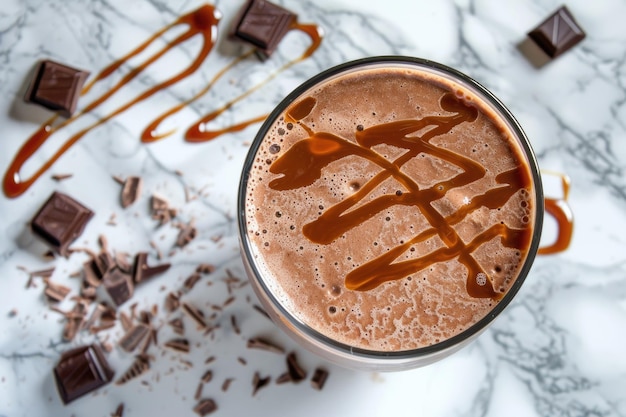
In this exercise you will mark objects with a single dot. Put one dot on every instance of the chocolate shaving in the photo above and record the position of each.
(92, 274)
(181, 345)
(140, 366)
(172, 302)
(261, 310)
(161, 210)
(294, 369)
(195, 314)
(226, 384)
(131, 190)
(205, 268)
(119, 411)
(177, 325)
(262, 344)
(319, 378)
(56, 292)
(207, 377)
(187, 233)
(198, 393)
(143, 272)
(61, 177)
(258, 382)
(121, 261)
(134, 337)
(127, 323)
(233, 322)
(191, 281)
(96, 314)
(205, 407)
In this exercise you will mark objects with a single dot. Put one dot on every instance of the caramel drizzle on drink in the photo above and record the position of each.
(302, 164)
(201, 22)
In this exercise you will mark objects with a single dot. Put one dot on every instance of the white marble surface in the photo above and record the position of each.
(559, 350)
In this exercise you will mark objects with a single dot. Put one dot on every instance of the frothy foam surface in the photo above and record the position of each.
(430, 303)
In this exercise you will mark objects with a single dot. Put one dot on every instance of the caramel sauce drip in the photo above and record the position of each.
(302, 165)
(202, 22)
(198, 131)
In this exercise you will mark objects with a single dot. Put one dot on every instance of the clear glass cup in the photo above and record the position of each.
(365, 359)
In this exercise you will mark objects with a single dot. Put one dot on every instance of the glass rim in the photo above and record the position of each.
(501, 111)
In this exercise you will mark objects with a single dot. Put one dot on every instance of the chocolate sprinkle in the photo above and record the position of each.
(60, 221)
(80, 371)
(134, 337)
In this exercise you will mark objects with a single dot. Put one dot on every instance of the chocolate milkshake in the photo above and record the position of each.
(389, 208)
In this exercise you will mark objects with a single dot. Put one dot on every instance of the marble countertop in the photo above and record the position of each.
(557, 350)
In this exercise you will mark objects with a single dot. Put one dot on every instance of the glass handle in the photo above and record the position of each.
(562, 213)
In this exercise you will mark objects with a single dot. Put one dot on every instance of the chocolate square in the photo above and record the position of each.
(558, 33)
(263, 25)
(60, 221)
(56, 87)
(81, 371)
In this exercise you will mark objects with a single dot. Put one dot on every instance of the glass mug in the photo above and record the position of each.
(389, 209)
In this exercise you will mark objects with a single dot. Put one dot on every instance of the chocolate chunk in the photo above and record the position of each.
(319, 378)
(60, 221)
(81, 371)
(558, 33)
(177, 325)
(118, 285)
(263, 25)
(142, 271)
(131, 190)
(56, 87)
(205, 407)
(134, 336)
